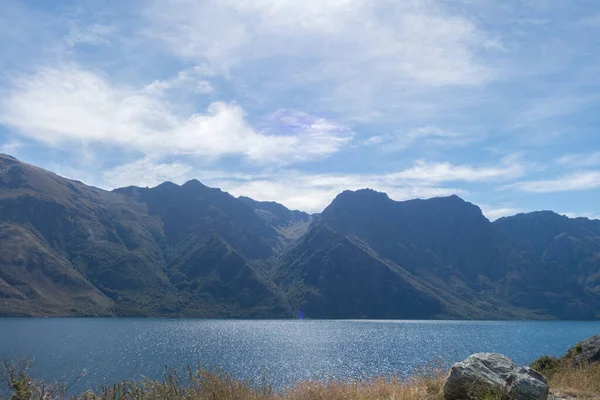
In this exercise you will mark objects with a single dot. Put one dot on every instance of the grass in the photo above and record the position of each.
(218, 385)
(580, 382)
(566, 380)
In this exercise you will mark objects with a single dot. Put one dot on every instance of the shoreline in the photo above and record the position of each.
(565, 382)
(288, 319)
(289, 351)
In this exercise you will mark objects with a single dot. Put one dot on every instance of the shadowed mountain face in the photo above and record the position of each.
(522, 261)
(190, 250)
(560, 262)
(326, 275)
(446, 234)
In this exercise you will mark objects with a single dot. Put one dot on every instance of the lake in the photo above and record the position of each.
(285, 351)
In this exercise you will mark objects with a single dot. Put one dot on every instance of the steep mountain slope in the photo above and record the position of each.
(449, 244)
(87, 250)
(290, 224)
(326, 275)
(445, 244)
(209, 239)
(35, 280)
(74, 249)
(189, 250)
(446, 234)
(562, 268)
(192, 210)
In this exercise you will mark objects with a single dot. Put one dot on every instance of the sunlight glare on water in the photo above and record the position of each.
(284, 351)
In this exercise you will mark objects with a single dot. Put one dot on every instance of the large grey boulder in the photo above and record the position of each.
(587, 351)
(479, 372)
(493, 374)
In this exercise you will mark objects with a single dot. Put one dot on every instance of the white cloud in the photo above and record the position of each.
(554, 107)
(493, 213)
(580, 180)
(146, 172)
(10, 147)
(377, 139)
(191, 79)
(580, 160)
(97, 34)
(431, 135)
(310, 192)
(427, 75)
(319, 135)
(424, 132)
(589, 215)
(67, 105)
(511, 167)
(313, 191)
(400, 42)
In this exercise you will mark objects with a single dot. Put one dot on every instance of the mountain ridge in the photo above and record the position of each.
(191, 250)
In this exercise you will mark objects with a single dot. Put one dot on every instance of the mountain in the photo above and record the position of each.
(560, 264)
(209, 239)
(190, 250)
(71, 249)
(290, 224)
(446, 234)
(501, 266)
(326, 275)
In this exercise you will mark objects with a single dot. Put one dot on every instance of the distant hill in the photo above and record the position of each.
(70, 249)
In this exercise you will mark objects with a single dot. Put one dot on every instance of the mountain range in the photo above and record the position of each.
(68, 249)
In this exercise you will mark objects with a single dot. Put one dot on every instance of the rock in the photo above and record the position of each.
(483, 371)
(587, 351)
(495, 374)
(527, 384)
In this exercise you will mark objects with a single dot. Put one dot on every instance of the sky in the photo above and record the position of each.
(295, 101)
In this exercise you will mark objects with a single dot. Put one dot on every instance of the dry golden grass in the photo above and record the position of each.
(567, 381)
(581, 382)
(419, 388)
(219, 386)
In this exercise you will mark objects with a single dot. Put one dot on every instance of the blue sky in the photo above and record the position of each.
(496, 101)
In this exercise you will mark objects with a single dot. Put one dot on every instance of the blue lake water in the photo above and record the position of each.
(285, 351)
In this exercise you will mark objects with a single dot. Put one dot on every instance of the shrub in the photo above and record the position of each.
(546, 365)
(16, 379)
